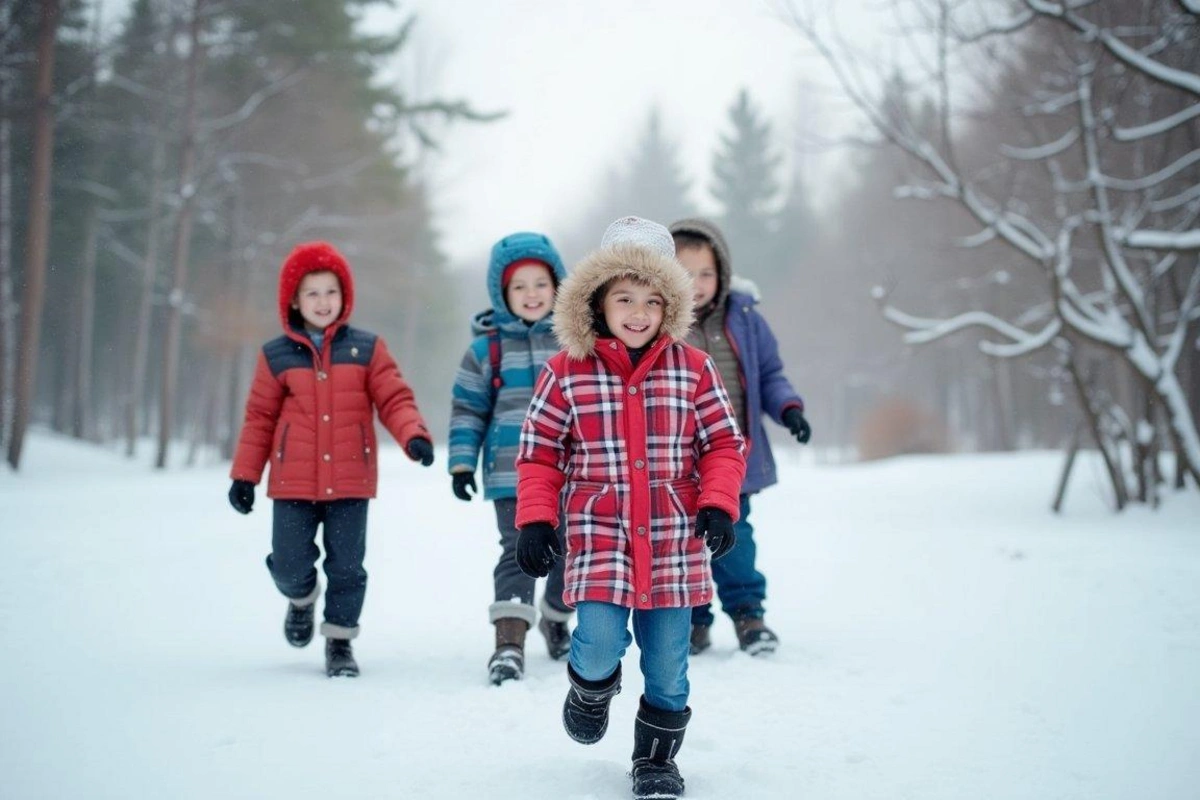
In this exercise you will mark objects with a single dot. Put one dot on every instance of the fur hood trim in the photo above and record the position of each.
(573, 314)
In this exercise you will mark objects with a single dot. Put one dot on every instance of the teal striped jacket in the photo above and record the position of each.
(485, 422)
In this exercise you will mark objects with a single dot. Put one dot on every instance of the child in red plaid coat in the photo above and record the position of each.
(637, 427)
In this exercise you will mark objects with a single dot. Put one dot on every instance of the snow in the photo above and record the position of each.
(944, 637)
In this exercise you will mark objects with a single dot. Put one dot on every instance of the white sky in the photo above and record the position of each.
(578, 79)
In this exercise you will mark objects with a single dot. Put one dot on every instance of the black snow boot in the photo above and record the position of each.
(508, 662)
(339, 659)
(298, 624)
(700, 639)
(657, 735)
(585, 712)
(558, 637)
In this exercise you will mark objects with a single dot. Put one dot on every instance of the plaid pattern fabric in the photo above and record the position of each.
(639, 451)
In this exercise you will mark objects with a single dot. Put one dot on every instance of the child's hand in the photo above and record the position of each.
(795, 422)
(461, 482)
(716, 528)
(241, 496)
(420, 449)
(537, 547)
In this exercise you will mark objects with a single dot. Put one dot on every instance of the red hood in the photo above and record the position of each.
(313, 257)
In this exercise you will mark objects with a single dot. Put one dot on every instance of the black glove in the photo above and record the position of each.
(716, 528)
(794, 419)
(241, 496)
(420, 449)
(537, 547)
(463, 480)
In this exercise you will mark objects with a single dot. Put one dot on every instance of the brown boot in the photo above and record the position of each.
(700, 639)
(754, 636)
(508, 662)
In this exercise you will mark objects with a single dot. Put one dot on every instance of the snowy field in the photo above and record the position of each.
(945, 637)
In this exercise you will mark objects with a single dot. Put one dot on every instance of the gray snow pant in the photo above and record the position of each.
(514, 589)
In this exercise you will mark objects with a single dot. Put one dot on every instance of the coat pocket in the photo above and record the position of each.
(590, 499)
(279, 451)
(684, 495)
(366, 444)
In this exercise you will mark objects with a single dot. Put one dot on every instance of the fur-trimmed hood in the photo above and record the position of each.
(573, 314)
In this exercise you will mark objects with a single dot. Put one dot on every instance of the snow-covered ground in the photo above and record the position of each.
(945, 637)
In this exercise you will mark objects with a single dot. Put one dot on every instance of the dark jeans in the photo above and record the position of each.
(513, 587)
(740, 587)
(294, 554)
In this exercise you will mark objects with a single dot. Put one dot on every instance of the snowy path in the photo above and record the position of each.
(944, 638)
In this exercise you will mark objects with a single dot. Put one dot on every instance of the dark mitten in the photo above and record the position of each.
(794, 419)
(420, 449)
(464, 481)
(241, 496)
(716, 528)
(537, 547)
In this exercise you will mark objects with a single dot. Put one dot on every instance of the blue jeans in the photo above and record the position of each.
(601, 637)
(294, 554)
(740, 586)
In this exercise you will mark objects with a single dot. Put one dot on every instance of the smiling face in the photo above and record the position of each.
(530, 292)
(633, 312)
(702, 264)
(319, 300)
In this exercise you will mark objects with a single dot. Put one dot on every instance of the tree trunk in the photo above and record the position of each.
(1111, 464)
(179, 251)
(37, 243)
(7, 307)
(135, 401)
(82, 427)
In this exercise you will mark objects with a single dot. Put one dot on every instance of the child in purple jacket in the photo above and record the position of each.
(740, 342)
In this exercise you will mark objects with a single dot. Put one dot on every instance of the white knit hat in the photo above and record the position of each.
(639, 232)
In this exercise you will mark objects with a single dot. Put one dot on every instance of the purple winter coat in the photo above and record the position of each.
(767, 388)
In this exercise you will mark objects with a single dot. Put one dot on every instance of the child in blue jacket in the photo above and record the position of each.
(741, 343)
(492, 389)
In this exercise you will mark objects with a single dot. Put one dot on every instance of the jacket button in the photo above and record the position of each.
(641, 530)
(329, 491)
(325, 418)
(643, 597)
(633, 390)
(321, 376)
(326, 456)
(639, 464)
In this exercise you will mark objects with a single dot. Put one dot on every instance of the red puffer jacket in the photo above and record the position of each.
(309, 413)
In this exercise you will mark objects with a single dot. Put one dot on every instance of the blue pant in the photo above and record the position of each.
(601, 637)
(740, 586)
(294, 554)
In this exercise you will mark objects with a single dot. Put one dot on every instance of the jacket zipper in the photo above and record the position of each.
(362, 429)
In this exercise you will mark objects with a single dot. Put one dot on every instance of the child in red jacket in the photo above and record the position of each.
(636, 426)
(310, 414)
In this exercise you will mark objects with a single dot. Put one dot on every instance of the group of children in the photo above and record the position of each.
(617, 414)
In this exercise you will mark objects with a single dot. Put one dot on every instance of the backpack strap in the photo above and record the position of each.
(494, 358)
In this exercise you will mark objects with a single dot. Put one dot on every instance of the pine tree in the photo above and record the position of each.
(746, 187)
(650, 183)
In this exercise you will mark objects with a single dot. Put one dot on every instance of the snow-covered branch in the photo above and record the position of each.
(1048, 150)
(1164, 240)
(1180, 79)
(1158, 126)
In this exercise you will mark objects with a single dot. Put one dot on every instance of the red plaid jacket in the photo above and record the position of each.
(639, 452)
